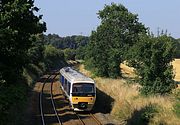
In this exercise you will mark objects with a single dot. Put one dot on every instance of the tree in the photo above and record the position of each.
(119, 29)
(53, 57)
(177, 48)
(69, 54)
(18, 25)
(152, 57)
(35, 53)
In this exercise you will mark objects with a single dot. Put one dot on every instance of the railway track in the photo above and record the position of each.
(43, 120)
(83, 119)
(88, 119)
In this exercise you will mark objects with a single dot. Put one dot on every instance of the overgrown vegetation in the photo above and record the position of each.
(12, 101)
(130, 107)
(24, 56)
(176, 105)
(151, 58)
(18, 27)
(53, 57)
(74, 46)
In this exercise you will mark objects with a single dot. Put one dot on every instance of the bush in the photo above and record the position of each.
(53, 57)
(177, 104)
(177, 108)
(11, 105)
(69, 54)
(35, 70)
(143, 116)
(152, 57)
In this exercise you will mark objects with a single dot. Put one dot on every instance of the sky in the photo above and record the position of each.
(79, 17)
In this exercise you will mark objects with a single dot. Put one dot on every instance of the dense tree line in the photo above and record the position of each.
(71, 42)
(24, 56)
(73, 46)
(18, 27)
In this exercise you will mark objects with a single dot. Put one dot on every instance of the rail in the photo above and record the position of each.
(52, 100)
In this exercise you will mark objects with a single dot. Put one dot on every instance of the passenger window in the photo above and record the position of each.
(62, 80)
(65, 85)
(69, 88)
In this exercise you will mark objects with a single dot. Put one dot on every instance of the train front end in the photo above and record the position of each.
(83, 96)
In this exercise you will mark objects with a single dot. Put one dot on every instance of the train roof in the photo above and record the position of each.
(75, 76)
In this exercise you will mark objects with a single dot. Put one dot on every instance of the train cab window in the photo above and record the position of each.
(77, 88)
(83, 88)
(88, 88)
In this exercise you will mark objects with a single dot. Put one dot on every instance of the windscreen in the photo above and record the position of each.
(83, 88)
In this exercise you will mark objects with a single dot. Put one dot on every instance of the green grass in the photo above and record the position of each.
(177, 108)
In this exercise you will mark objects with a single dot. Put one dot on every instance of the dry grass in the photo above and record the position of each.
(128, 100)
(126, 70)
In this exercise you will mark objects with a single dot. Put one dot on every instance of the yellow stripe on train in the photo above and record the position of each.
(77, 99)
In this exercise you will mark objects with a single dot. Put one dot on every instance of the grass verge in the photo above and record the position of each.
(133, 108)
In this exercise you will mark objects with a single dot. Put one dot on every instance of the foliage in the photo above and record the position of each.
(35, 53)
(34, 69)
(143, 116)
(177, 48)
(11, 105)
(118, 31)
(152, 57)
(76, 44)
(148, 113)
(81, 52)
(176, 106)
(53, 57)
(18, 25)
(72, 42)
(22, 54)
(69, 54)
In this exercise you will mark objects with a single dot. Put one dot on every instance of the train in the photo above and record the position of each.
(78, 88)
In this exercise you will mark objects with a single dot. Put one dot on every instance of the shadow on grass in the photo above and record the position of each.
(104, 102)
(142, 116)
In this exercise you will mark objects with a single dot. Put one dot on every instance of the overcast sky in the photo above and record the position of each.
(75, 17)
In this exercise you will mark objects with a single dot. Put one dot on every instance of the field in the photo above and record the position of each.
(129, 107)
(176, 66)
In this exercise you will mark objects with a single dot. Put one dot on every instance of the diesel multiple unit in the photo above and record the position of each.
(79, 89)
